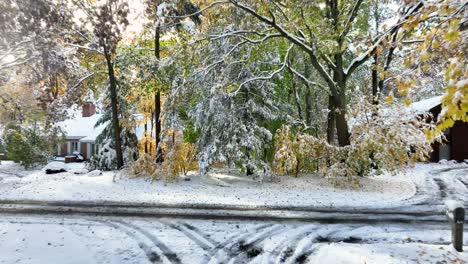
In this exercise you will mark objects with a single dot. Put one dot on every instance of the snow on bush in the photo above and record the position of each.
(381, 141)
(26, 145)
(179, 158)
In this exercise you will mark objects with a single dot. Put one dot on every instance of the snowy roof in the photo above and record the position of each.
(425, 105)
(82, 128)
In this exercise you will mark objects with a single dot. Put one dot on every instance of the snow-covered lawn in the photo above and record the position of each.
(31, 240)
(218, 189)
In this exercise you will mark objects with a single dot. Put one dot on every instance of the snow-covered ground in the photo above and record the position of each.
(231, 189)
(219, 188)
(31, 240)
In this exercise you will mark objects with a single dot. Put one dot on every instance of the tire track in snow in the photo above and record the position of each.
(167, 252)
(296, 253)
(285, 242)
(305, 245)
(247, 249)
(199, 232)
(152, 256)
(205, 245)
(442, 187)
(464, 182)
(227, 245)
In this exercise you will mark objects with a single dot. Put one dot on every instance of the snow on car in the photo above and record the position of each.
(55, 167)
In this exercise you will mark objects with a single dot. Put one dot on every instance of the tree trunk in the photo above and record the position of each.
(157, 120)
(114, 107)
(375, 80)
(342, 129)
(308, 106)
(339, 101)
(157, 99)
(146, 134)
(330, 120)
(296, 99)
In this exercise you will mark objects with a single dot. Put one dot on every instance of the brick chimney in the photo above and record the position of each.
(89, 109)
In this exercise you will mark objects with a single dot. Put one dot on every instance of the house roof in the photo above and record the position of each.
(82, 128)
(425, 105)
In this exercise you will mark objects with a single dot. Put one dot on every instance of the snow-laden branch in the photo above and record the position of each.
(253, 41)
(80, 81)
(14, 48)
(17, 62)
(305, 79)
(269, 77)
(201, 10)
(300, 42)
(83, 47)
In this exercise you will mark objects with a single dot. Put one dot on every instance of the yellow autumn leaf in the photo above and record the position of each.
(424, 56)
(389, 99)
(425, 67)
(451, 36)
(407, 101)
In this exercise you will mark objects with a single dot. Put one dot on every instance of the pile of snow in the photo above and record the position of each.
(95, 173)
(448, 162)
(452, 205)
(79, 171)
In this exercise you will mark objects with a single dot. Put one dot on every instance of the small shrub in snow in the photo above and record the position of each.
(179, 158)
(297, 152)
(26, 146)
(145, 166)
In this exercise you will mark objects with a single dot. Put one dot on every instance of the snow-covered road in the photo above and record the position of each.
(55, 239)
(439, 184)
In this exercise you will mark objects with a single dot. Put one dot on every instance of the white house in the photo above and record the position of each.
(80, 132)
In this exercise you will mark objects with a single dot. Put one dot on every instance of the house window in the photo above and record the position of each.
(93, 149)
(74, 146)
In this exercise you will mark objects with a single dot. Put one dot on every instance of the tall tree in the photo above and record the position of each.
(323, 30)
(166, 16)
(104, 24)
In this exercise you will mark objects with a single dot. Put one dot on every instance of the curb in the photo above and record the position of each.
(328, 215)
(105, 203)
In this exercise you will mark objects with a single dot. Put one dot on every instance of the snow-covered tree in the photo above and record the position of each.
(106, 158)
(100, 29)
(326, 31)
